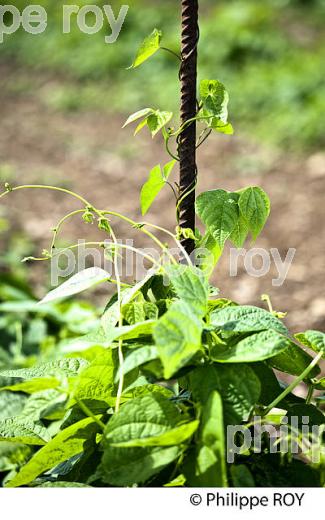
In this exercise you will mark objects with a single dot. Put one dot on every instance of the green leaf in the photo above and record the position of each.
(312, 339)
(157, 180)
(208, 253)
(246, 318)
(211, 463)
(96, 381)
(270, 387)
(137, 358)
(149, 46)
(219, 212)
(172, 437)
(256, 347)
(179, 481)
(191, 286)
(151, 310)
(177, 335)
(238, 386)
(294, 361)
(239, 233)
(219, 126)
(13, 455)
(143, 418)
(134, 312)
(215, 99)
(137, 115)
(65, 445)
(11, 404)
(106, 339)
(16, 429)
(68, 367)
(158, 120)
(77, 283)
(254, 206)
(112, 311)
(33, 386)
(43, 404)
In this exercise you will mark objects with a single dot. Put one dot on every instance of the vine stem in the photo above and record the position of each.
(59, 225)
(309, 394)
(45, 187)
(120, 322)
(88, 412)
(100, 213)
(294, 383)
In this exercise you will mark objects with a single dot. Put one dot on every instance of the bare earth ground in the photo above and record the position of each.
(90, 153)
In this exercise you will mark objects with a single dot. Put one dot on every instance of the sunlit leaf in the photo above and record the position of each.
(149, 46)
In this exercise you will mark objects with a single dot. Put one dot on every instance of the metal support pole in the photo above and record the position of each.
(187, 139)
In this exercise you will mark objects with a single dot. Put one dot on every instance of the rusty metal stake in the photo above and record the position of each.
(187, 139)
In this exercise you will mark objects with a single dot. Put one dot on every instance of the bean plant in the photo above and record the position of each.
(151, 396)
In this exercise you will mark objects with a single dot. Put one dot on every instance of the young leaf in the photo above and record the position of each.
(219, 212)
(157, 180)
(158, 120)
(149, 46)
(256, 347)
(215, 98)
(254, 206)
(177, 335)
(112, 311)
(17, 429)
(137, 115)
(77, 283)
(246, 318)
(65, 445)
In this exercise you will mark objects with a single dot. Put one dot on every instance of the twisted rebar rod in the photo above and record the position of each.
(187, 139)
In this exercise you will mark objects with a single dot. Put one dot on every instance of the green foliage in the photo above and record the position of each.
(157, 180)
(149, 46)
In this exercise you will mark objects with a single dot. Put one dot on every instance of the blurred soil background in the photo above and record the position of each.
(64, 99)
